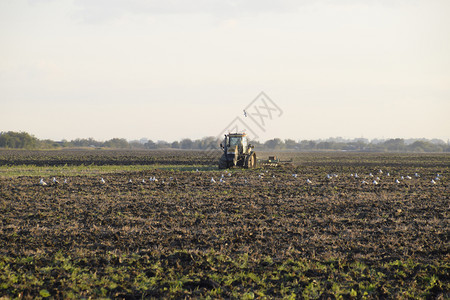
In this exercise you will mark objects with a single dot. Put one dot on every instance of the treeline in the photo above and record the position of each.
(23, 140)
(361, 145)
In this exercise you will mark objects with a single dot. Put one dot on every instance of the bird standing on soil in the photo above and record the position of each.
(433, 182)
(308, 181)
(42, 182)
(55, 181)
(397, 181)
(102, 181)
(212, 180)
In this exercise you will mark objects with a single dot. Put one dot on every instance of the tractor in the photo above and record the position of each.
(237, 152)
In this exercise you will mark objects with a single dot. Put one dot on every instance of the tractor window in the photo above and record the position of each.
(235, 141)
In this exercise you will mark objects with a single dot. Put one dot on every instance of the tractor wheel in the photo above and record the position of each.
(251, 161)
(223, 162)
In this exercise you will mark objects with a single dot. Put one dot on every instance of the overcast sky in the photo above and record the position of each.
(167, 70)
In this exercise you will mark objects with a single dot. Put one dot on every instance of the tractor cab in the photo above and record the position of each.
(233, 140)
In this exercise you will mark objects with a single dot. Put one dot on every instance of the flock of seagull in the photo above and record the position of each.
(374, 179)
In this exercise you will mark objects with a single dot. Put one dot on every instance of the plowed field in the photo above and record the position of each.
(330, 225)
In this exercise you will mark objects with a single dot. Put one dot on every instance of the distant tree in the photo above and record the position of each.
(395, 145)
(196, 144)
(175, 145)
(117, 143)
(274, 144)
(136, 145)
(425, 146)
(209, 142)
(290, 144)
(186, 144)
(324, 145)
(162, 144)
(150, 145)
(18, 140)
(86, 143)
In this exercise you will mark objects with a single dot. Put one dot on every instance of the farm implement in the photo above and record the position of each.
(273, 161)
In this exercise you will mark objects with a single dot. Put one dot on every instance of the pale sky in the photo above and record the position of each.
(168, 70)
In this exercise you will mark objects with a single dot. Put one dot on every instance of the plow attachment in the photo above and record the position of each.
(273, 161)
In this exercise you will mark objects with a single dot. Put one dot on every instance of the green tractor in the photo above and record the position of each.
(237, 152)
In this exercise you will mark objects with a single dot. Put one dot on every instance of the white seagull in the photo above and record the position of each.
(294, 175)
(375, 182)
(102, 181)
(397, 181)
(417, 175)
(433, 182)
(212, 180)
(42, 182)
(308, 181)
(55, 181)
